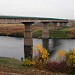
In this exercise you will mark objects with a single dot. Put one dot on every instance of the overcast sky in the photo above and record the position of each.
(38, 8)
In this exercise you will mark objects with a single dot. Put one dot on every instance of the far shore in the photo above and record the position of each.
(17, 30)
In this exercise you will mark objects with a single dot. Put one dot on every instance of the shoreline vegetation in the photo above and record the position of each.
(12, 66)
(64, 64)
(17, 30)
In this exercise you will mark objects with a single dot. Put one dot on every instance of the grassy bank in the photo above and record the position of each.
(60, 33)
(11, 65)
(15, 30)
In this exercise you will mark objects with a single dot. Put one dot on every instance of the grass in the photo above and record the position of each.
(64, 29)
(15, 30)
(10, 62)
(58, 34)
(16, 66)
(37, 33)
(52, 34)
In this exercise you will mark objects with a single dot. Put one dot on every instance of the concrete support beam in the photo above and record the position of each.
(58, 24)
(28, 41)
(45, 35)
(66, 24)
(45, 30)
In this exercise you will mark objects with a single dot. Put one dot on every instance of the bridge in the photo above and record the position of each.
(28, 21)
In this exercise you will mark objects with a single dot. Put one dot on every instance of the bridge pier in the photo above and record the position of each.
(28, 41)
(58, 24)
(45, 35)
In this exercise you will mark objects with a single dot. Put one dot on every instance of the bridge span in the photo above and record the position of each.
(20, 19)
(28, 21)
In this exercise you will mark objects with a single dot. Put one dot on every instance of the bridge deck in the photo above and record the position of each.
(20, 19)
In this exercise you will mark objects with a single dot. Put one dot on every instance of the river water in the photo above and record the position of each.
(14, 47)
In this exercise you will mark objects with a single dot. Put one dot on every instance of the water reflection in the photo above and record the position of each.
(63, 44)
(11, 47)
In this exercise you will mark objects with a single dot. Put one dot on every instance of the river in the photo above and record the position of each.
(14, 47)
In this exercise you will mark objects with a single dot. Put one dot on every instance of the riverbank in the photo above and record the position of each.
(14, 30)
(17, 30)
(11, 66)
(63, 33)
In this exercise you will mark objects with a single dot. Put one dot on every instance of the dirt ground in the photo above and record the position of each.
(32, 72)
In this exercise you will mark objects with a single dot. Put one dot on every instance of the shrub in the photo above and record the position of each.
(42, 56)
(70, 58)
(42, 53)
(57, 67)
(40, 59)
(60, 55)
(28, 62)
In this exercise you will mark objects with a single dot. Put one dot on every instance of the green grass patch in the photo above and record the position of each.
(13, 63)
(62, 33)
(58, 34)
(64, 29)
(37, 33)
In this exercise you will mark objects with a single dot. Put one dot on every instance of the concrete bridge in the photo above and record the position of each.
(28, 21)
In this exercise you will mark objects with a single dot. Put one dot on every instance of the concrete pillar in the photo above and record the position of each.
(45, 35)
(28, 41)
(62, 24)
(66, 24)
(58, 24)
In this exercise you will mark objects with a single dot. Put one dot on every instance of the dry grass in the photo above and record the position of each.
(27, 72)
(72, 32)
(11, 28)
(14, 29)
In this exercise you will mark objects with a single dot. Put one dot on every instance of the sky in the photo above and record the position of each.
(38, 8)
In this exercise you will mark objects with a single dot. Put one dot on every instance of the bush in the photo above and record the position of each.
(42, 54)
(40, 59)
(57, 67)
(70, 58)
(28, 62)
(60, 55)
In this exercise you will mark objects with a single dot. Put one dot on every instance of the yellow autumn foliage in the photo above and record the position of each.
(43, 56)
(60, 55)
(70, 58)
(43, 53)
(28, 62)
